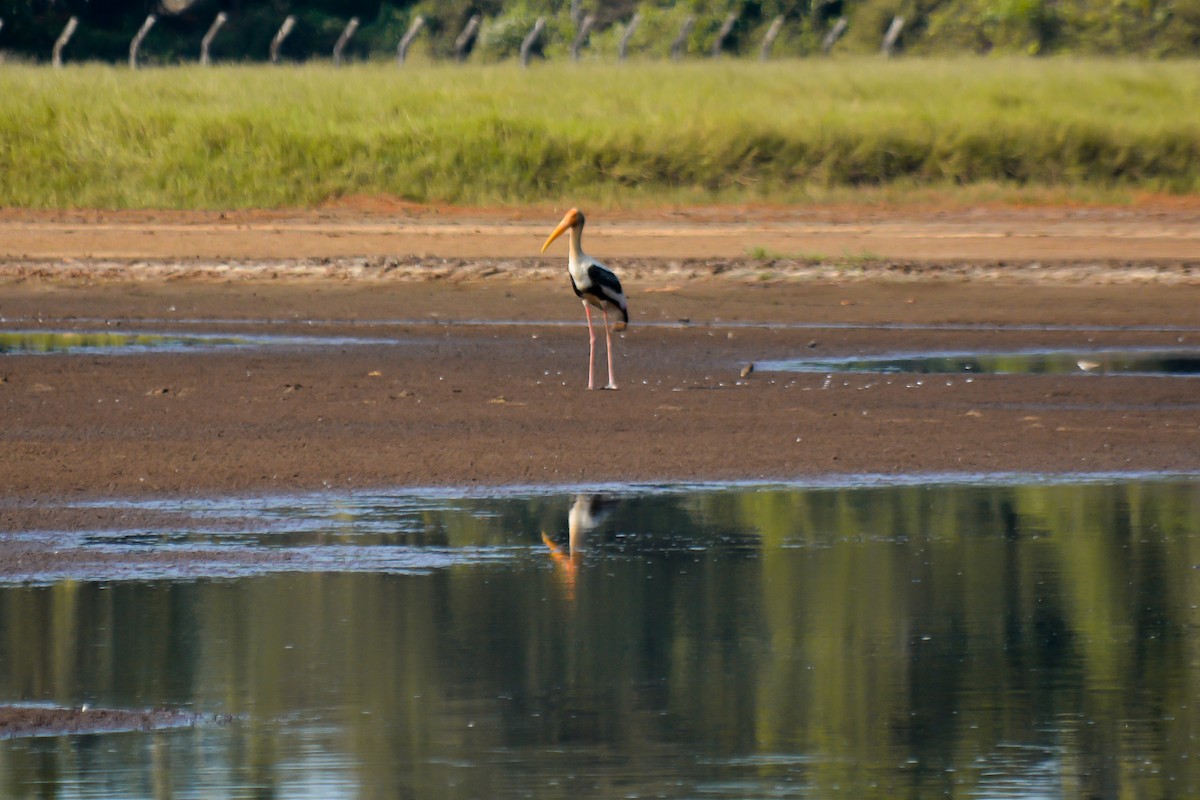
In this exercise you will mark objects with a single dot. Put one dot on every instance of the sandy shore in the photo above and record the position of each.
(1168, 229)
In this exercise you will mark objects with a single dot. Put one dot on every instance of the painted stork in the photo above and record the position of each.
(596, 285)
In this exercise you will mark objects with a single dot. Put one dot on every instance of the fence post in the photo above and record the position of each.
(413, 30)
(769, 39)
(892, 36)
(137, 40)
(531, 39)
(627, 35)
(351, 27)
(464, 39)
(834, 34)
(723, 34)
(207, 41)
(585, 28)
(67, 32)
(677, 47)
(289, 22)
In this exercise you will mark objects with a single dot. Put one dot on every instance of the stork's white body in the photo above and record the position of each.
(594, 284)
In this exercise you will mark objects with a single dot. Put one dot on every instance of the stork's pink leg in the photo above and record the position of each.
(612, 382)
(592, 343)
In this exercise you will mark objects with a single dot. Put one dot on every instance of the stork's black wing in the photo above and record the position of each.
(605, 285)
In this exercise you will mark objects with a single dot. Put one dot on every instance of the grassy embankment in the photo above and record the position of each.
(639, 133)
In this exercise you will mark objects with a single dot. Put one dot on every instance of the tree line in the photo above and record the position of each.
(1146, 28)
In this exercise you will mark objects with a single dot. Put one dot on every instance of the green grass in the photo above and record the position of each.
(613, 135)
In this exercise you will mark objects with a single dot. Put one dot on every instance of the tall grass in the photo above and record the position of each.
(256, 136)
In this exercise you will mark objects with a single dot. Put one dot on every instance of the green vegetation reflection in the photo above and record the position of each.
(878, 642)
(1166, 362)
(67, 342)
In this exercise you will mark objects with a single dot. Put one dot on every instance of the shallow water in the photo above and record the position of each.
(977, 638)
(1155, 362)
(70, 341)
(47, 342)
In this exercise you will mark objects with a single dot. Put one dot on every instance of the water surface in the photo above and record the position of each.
(1150, 362)
(976, 639)
(48, 342)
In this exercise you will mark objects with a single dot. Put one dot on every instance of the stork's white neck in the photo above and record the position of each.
(574, 243)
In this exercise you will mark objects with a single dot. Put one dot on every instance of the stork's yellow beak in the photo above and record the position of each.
(567, 222)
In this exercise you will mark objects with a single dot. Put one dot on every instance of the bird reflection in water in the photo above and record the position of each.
(587, 513)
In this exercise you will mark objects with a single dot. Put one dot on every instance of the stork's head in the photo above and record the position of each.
(572, 219)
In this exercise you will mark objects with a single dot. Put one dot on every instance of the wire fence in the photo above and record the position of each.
(464, 43)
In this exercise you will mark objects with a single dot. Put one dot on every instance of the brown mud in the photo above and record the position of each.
(460, 403)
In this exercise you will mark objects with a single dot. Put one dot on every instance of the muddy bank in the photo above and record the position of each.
(447, 396)
(447, 402)
(19, 721)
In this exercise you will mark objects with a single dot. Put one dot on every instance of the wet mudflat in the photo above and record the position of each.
(329, 399)
(968, 636)
(212, 531)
